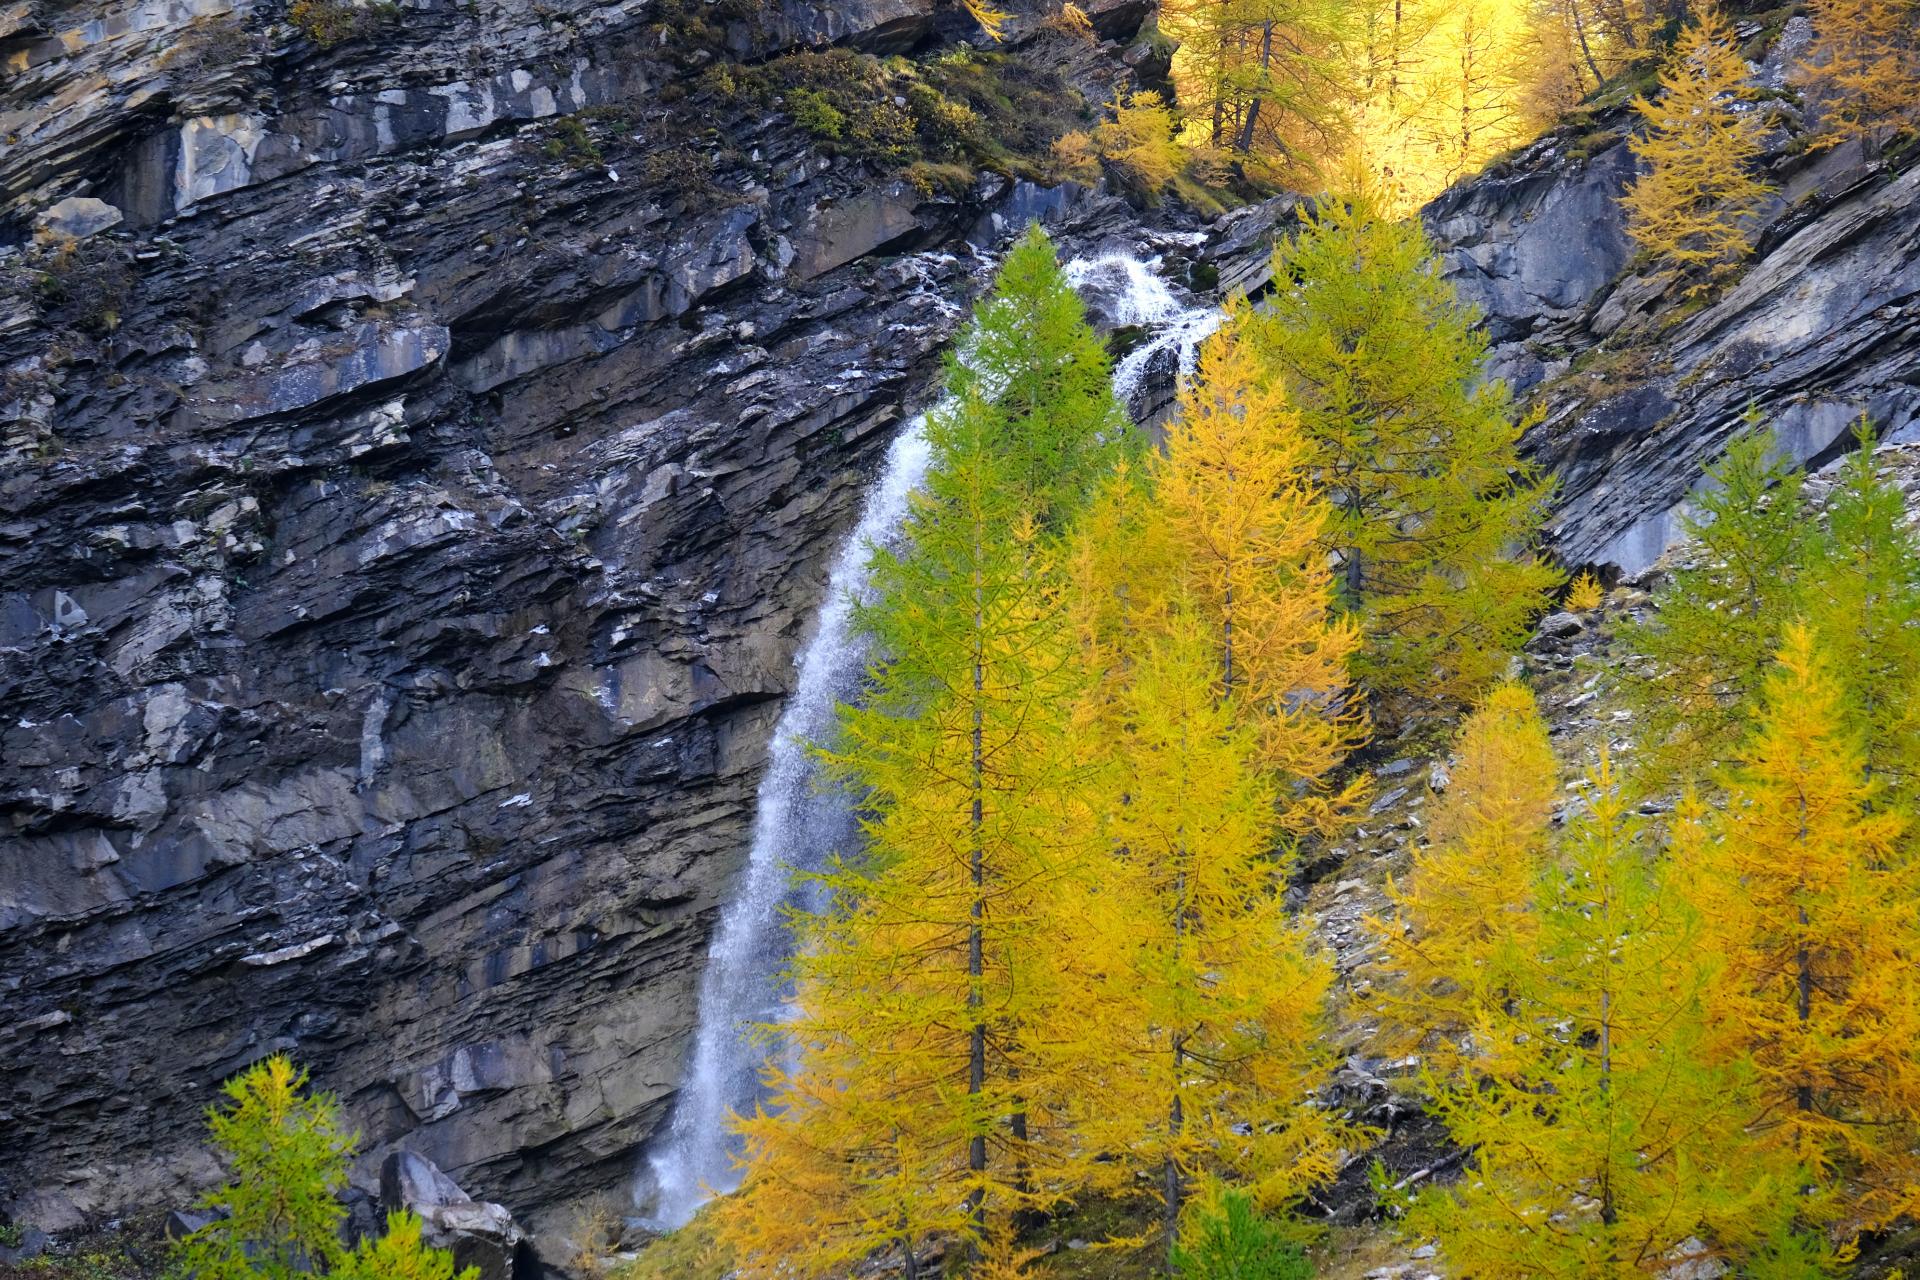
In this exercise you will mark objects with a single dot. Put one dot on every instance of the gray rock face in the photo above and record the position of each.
(75, 218)
(1640, 394)
(405, 535)
(482, 1236)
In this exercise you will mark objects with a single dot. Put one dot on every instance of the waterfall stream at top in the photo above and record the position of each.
(798, 826)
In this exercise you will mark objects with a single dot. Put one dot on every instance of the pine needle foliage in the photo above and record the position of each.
(1805, 890)
(1208, 1023)
(1765, 555)
(1243, 525)
(1865, 66)
(287, 1157)
(400, 1254)
(1416, 449)
(1227, 1238)
(1606, 1142)
(1861, 593)
(1708, 645)
(1696, 206)
(1216, 706)
(1461, 931)
(1264, 79)
(922, 1094)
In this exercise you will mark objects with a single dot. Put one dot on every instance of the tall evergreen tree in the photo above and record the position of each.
(923, 1095)
(1461, 931)
(1605, 1142)
(1240, 523)
(1806, 893)
(1265, 77)
(1415, 447)
(1696, 205)
(280, 1216)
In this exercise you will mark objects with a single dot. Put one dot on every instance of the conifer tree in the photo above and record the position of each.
(1865, 64)
(924, 1096)
(1695, 207)
(1605, 1142)
(1241, 526)
(1414, 446)
(1216, 690)
(400, 1254)
(1264, 77)
(1805, 892)
(287, 1156)
(1764, 557)
(1862, 594)
(1461, 929)
(1206, 1030)
(281, 1213)
(1709, 644)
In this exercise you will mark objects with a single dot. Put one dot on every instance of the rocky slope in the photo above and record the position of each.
(420, 455)
(1639, 389)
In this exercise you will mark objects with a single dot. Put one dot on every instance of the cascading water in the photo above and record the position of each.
(796, 826)
(1142, 299)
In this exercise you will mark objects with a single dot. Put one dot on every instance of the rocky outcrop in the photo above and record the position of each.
(409, 510)
(1641, 390)
(480, 1236)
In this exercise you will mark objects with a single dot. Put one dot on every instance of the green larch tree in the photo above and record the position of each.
(923, 1095)
(1606, 1141)
(1435, 512)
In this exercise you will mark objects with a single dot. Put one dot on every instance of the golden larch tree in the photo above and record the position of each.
(1461, 928)
(1695, 206)
(1805, 890)
(1865, 65)
(1240, 524)
(1217, 711)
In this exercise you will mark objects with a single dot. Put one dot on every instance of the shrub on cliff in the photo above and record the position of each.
(280, 1215)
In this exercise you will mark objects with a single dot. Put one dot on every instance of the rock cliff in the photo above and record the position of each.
(1640, 390)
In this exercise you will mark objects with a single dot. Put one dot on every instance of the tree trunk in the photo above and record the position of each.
(976, 942)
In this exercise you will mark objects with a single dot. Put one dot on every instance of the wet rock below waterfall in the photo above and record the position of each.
(479, 1234)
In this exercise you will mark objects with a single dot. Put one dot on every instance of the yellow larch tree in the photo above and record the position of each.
(1264, 79)
(1207, 1029)
(1461, 928)
(1865, 65)
(1605, 1142)
(1806, 891)
(1218, 710)
(1239, 524)
(1695, 206)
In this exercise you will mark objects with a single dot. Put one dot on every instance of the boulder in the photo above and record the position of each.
(479, 1234)
(75, 218)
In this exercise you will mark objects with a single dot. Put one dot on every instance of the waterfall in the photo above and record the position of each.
(794, 825)
(798, 826)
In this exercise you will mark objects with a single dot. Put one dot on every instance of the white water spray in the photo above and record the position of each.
(796, 826)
